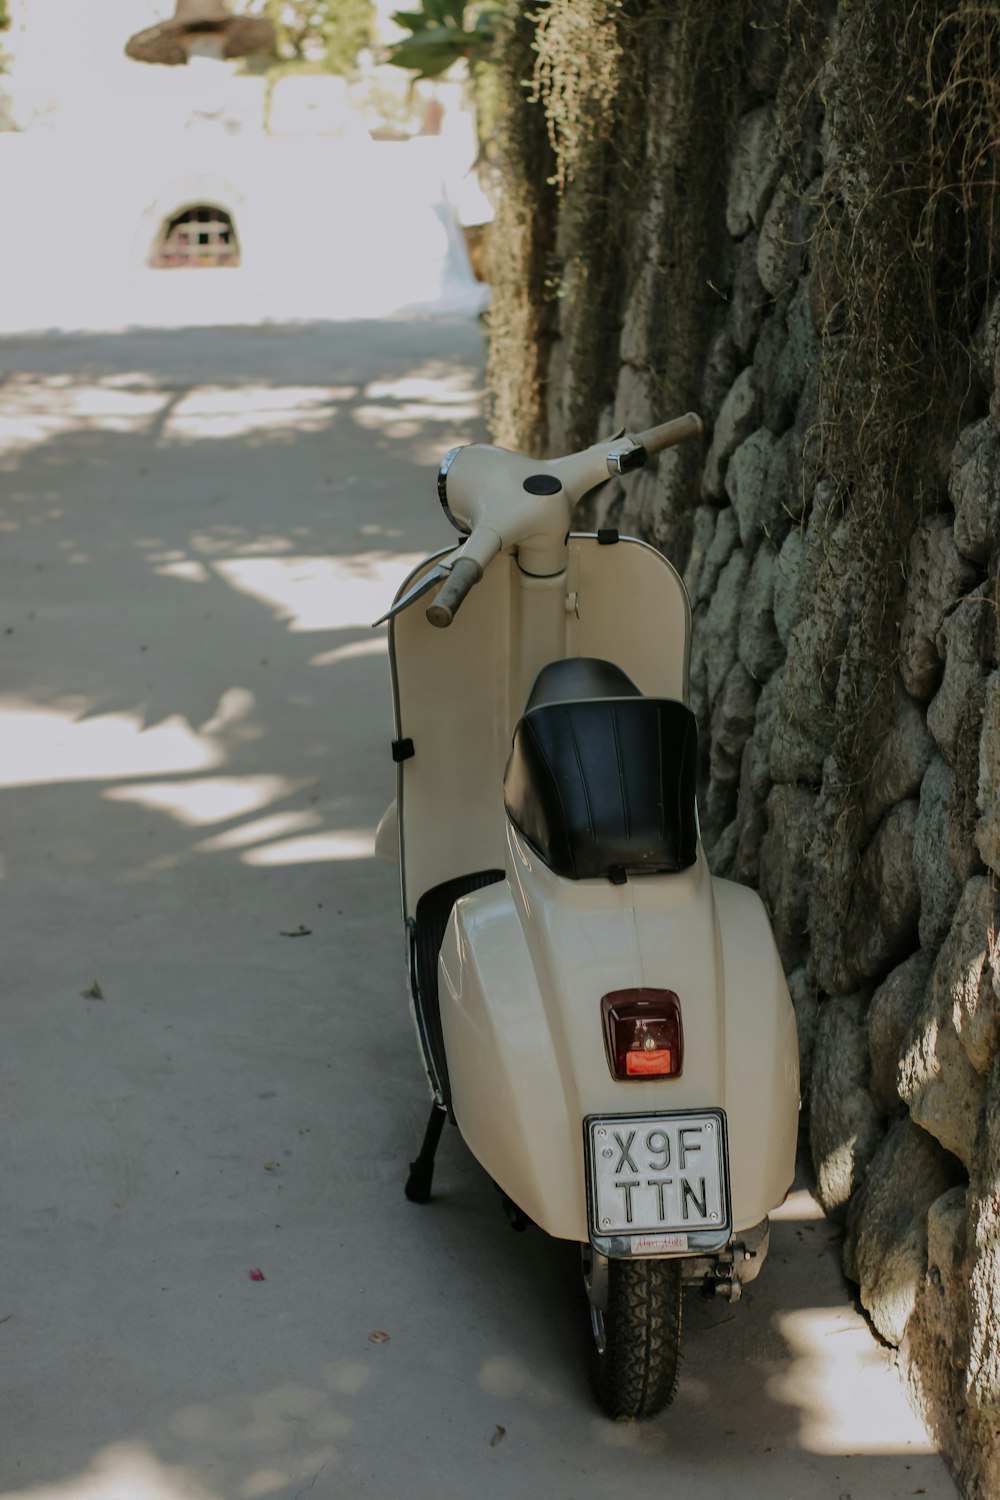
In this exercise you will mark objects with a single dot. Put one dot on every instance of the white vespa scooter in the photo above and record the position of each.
(608, 1024)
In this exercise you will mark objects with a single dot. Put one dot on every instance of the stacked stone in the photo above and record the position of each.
(898, 997)
(921, 1180)
(900, 1027)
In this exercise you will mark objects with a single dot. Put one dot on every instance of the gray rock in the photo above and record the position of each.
(759, 648)
(732, 723)
(702, 535)
(755, 785)
(937, 577)
(844, 1128)
(986, 344)
(885, 902)
(974, 488)
(773, 245)
(721, 853)
(777, 404)
(755, 773)
(834, 872)
(697, 679)
(956, 711)
(966, 975)
(902, 757)
(794, 583)
(939, 885)
(936, 1349)
(784, 856)
(720, 630)
(737, 419)
(641, 315)
(721, 548)
(946, 1236)
(753, 169)
(750, 302)
(633, 407)
(799, 356)
(983, 1380)
(716, 811)
(722, 365)
(893, 1011)
(765, 46)
(749, 487)
(988, 788)
(800, 727)
(937, 1079)
(786, 482)
(885, 1249)
(802, 989)
(751, 807)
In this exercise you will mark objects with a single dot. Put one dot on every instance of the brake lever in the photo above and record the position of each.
(429, 581)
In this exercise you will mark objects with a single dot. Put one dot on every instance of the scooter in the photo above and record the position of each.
(607, 1023)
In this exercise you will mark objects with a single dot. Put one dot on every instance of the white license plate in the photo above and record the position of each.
(657, 1179)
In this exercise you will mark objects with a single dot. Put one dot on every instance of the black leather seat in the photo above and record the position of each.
(600, 780)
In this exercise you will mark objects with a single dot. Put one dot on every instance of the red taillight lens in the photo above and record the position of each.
(642, 1033)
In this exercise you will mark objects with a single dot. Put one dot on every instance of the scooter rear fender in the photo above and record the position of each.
(523, 968)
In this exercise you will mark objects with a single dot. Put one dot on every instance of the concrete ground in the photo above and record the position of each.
(207, 1067)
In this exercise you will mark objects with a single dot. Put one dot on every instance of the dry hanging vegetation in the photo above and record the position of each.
(630, 97)
(903, 260)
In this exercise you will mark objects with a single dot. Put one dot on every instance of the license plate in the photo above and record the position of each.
(658, 1184)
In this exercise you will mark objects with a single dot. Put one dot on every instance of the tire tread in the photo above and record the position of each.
(636, 1376)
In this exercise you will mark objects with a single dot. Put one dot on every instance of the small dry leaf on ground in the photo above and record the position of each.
(300, 931)
(378, 1337)
(94, 993)
(498, 1436)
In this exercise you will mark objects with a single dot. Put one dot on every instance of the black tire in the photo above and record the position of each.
(636, 1343)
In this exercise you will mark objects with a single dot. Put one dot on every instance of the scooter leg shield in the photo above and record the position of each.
(504, 1070)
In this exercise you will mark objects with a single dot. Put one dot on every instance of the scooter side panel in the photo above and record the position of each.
(762, 1057)
(504, 1071)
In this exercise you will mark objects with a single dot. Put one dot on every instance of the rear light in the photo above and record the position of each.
(642, 1033)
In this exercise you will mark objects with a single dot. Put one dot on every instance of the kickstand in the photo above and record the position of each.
(418, 1184)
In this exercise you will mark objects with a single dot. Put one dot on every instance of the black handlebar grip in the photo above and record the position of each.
(465, 574)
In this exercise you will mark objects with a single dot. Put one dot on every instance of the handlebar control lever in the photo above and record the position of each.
(465, 574)
(429, 581)
(626, 456)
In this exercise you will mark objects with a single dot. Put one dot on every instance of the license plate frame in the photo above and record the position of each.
(659, 1216)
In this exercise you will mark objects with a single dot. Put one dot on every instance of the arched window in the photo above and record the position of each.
(202, 236)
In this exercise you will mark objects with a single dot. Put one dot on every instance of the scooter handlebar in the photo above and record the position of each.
(464, 575)
(654, 439)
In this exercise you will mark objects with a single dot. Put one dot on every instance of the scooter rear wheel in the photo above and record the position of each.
(635, 1317)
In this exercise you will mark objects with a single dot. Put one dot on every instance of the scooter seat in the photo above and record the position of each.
(603, 783)
(579, 677)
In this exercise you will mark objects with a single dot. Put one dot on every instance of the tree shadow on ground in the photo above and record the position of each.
(199, 527)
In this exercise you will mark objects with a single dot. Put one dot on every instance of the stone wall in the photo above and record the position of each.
(877, 852)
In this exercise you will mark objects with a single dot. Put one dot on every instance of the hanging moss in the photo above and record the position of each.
(905, 249)
(521, 247)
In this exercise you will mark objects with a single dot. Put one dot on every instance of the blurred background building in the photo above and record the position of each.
(317, 193)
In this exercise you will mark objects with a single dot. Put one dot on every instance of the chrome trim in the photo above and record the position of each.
(442, 487)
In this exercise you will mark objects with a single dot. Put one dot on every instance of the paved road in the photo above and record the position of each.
(197, 529)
